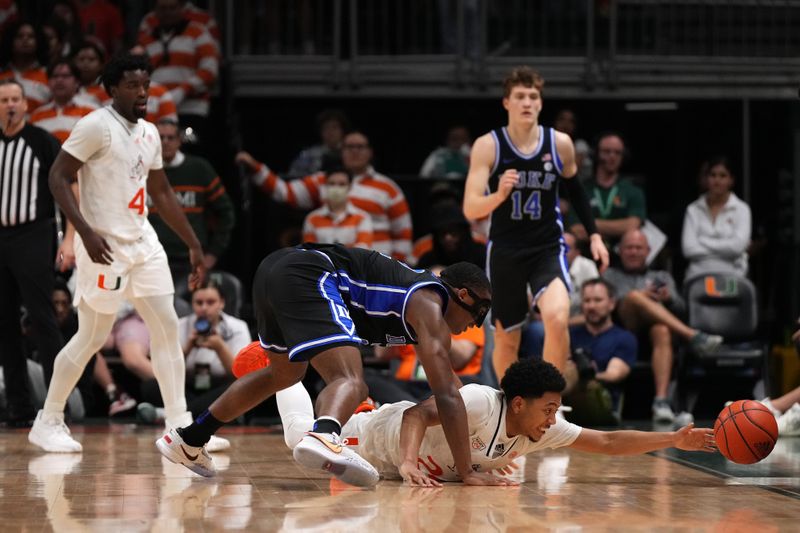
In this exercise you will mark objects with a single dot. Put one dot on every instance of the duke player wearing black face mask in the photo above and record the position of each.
(27, 244)
(522, 166)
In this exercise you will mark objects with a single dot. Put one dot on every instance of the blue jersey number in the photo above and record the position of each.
(532, 206)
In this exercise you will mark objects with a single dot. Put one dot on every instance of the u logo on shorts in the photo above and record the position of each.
(101, 283)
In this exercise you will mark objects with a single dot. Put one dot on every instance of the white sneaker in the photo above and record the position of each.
(789, 422)
(195, 458)
(662, 412)
(325, 451)
(217, 444)
(51, 434)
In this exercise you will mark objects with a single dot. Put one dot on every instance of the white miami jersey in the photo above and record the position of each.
(376, 437)
(117, 156)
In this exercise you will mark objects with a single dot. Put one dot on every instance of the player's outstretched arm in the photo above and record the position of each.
(477, 204)
(61, 173)
(412, 430)
(626, 442)
(164, 199)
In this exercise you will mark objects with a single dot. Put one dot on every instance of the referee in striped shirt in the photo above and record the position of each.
(27, 246)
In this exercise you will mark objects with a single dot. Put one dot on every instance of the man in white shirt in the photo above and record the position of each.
(117, 157)
(406, 440)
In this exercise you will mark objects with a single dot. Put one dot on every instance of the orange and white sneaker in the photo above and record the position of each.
(327, 452)
(366, 406)
(249, 359)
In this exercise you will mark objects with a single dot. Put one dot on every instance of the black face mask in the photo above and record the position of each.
(479, 309)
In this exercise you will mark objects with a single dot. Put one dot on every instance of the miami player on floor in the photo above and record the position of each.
(404, 440)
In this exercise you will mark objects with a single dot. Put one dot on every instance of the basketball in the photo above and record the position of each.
(745, 432)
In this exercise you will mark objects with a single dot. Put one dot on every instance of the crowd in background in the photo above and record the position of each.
(635, 311)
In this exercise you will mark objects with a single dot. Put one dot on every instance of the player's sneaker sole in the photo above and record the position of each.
(316, 453)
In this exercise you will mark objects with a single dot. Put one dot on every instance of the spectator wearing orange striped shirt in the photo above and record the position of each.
(372, 192)
(23, 51)
(338, 221)
(190, 12)
(185, 59)
(60, 116)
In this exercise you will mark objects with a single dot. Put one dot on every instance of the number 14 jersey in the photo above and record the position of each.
(117, 157)
(530, 216)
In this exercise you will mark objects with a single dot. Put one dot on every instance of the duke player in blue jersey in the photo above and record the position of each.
(316, 304)
(514, 175)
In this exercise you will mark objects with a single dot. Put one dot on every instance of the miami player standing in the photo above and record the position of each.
(117, 157)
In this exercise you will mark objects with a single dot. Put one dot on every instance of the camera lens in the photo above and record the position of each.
(202, 326)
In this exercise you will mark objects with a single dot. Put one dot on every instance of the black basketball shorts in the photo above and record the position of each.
(298, 307)
(512, 270)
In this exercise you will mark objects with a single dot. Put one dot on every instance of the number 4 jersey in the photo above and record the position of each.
(117, 156)
(530, 216)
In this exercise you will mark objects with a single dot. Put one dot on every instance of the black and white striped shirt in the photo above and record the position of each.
(25, 161)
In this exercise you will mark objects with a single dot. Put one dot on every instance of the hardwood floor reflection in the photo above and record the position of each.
(120, 483)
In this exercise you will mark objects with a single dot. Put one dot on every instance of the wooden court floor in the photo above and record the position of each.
(120, 483)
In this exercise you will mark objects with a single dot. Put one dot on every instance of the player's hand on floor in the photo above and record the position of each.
(694, 439)
(486, 479)
(416, 477)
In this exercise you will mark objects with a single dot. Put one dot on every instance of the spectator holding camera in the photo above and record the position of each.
(602, 351)
(210, 339)
(649, 302)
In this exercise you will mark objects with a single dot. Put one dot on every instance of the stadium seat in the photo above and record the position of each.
(726, 305)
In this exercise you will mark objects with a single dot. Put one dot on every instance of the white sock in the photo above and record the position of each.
(93, 328)
(169, 367)
(296, 411)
